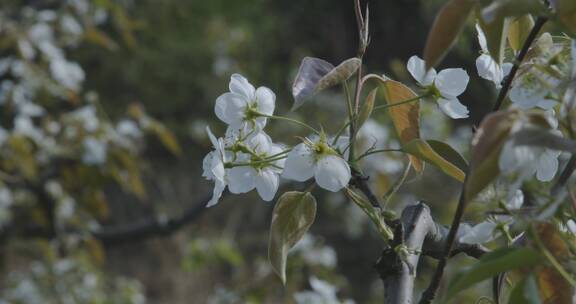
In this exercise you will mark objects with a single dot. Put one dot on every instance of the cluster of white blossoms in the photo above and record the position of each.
(444, 87)
(247, 159)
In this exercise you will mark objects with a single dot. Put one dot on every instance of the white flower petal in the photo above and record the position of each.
(417, 68)
(526, 98)
(207, 166)
(516, 201)
(259, 142)
(213, 138)
(266, 100)
(546, 104)
(275, 149)
(267, 184)
(506, 68)
(479, 234)
(332, 173)
(216, 193)
(230, 108)
(489, 69)
(240, 85)
(241, 179)
(451, 82)
(547, 166)
(482, 39)
(299, 165)
(571, 225)
(453, 108)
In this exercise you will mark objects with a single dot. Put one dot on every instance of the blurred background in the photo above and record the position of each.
(103, 109)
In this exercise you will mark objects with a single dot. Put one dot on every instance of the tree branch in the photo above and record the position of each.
(420, 234)
(156, 226)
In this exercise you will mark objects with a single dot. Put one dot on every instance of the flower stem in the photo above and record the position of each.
(339, 133)
(257, 162)
(280, 153)
(417, 98)
(292, 120)
(370, 152)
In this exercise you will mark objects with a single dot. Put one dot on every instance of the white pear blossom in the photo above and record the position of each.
(213, 167)
(487, 67)
(529, 91)
(528, 160)
(315, 158)
(244, 163)
(240, 108)
(481, 233)
(128, 128)
(95, 151)
(445, 86)
(262, 176)
(69, 74)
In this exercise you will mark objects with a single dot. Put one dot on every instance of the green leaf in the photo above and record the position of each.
(486, 146)
(406, 117)
(293, 215)
(367, 108)
(525, 292)
(492, 264)
(421, 149)
(448, 153)
(446, 28)
(519, 30)
(339, 74)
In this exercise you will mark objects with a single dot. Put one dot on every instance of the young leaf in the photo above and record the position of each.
(316, 75)
(486, 146)
(293, 215)
(424, 151)
(447, 26)
(404, 117)
(367, 108)
(519, 30)
(310, 72)
(339, 74)
(492, 264)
